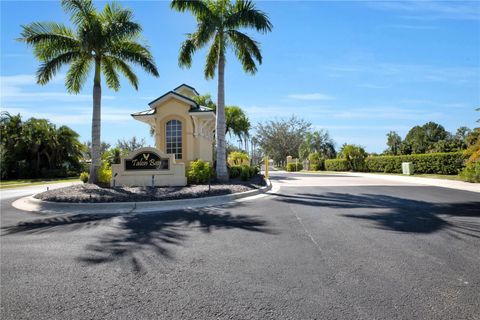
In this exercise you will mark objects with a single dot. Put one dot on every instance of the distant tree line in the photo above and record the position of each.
(37, 148)
(429, 138)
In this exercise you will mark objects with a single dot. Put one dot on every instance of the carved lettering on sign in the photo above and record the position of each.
(147, 161)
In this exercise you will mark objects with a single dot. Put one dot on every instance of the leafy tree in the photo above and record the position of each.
(473, 137)
(36, 148)
(218, 24)
(106, 41)
(420, 139)
(462, 133)
(130, 145)
(236, 120)
(355, 155)
(317, 142)
(281, 138)
(394, 141)
(87, 147)
(206, 101)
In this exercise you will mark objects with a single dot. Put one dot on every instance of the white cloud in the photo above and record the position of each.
(80, 116)
(16, 89)
(311, 96)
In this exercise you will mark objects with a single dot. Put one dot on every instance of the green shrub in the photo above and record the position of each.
(254, 170)
(317, 162)
(245, 174)
(337, 165)
(437, 163)
(238, 158)
(355, 155)
(84, 177)
(234, 171)
(104, 173)
(292, 167)
(471, 173)
(199, 172)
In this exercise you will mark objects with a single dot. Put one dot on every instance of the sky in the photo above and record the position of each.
(358, 69)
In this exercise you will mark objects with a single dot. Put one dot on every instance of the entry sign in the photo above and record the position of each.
(146, 161)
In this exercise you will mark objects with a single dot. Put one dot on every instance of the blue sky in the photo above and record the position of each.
(358, 69)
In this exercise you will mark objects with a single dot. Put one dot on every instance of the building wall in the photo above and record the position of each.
(192, 147)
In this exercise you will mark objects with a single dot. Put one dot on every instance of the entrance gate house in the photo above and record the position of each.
(148, 167)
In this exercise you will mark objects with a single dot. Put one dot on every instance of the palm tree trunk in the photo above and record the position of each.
(222, 173)
(96, 124)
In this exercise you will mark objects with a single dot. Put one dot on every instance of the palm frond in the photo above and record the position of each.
(82, 11)
(205, 31)
(78, 73)
(118, 22)
(187, 50)
(50, 68)
(245, 15)
(49, 39)
(240, 39)
(246, 50)
(212, 58)
(199, 8)
(136, 53)
(111, 76)
(125, 69)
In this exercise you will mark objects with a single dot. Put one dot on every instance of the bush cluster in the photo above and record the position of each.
(238, 158)
(471, 173)
(199, 172)
(438, 163)
(84, 176)
(104, 173)
(337, 165)
(292, 167)
(317, 162)
(245, 172)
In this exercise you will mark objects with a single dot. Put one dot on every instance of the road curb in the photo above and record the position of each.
(48, 207)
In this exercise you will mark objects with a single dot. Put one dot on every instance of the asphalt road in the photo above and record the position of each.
(320, 247)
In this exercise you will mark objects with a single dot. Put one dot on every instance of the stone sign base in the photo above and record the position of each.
(148, 167)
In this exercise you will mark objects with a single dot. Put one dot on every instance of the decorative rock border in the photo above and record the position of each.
(47, 207)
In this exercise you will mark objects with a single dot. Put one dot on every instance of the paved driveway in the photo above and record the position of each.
(320, 247)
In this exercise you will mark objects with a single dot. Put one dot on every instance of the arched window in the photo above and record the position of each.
(173, 138)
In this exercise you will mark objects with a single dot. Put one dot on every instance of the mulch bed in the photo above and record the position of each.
(85, 193)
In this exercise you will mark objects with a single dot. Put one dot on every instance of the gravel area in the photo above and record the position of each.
(93, 193)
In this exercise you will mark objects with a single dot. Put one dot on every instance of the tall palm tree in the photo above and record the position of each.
(218, 23)
(106, 40)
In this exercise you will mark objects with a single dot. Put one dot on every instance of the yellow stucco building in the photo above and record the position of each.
(182, 127)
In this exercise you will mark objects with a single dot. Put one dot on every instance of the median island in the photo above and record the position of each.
(91, 193)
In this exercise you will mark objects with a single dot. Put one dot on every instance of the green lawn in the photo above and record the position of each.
(4, 184)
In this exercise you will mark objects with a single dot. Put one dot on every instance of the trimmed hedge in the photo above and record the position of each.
(337, 165)
(292, 167)
(245, 172)
(317, 162)
(439, 163)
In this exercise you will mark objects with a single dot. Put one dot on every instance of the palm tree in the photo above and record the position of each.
(106, 40)
(218, 23)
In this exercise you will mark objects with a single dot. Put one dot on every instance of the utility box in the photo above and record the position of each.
(407, 168)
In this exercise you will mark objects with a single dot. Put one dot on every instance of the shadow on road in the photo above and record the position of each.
(132, 233)
(400, 214)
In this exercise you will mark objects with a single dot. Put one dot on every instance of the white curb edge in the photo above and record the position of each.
(48, 207)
